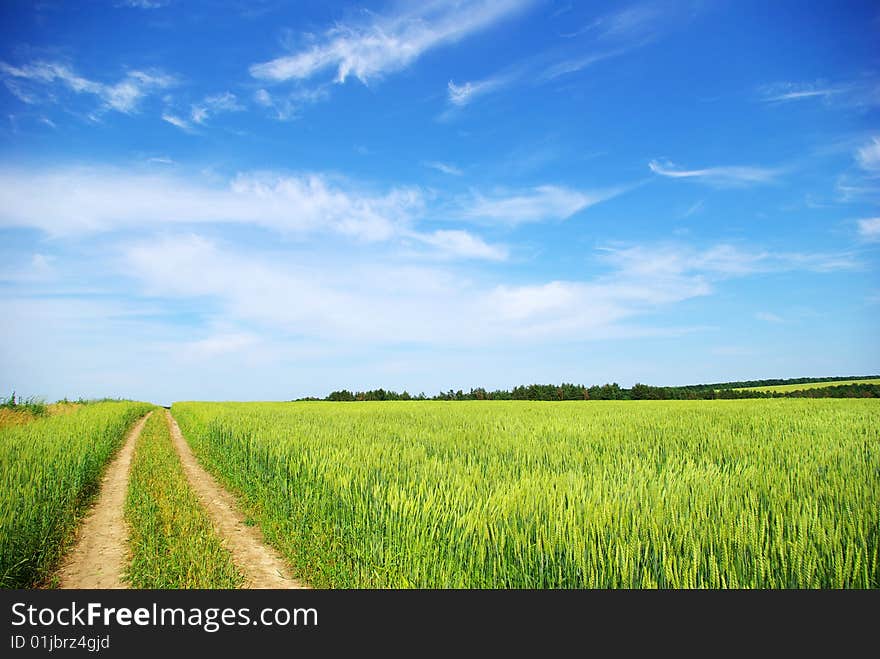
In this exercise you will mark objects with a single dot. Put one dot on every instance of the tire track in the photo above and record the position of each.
(100, 556)
(261, 565)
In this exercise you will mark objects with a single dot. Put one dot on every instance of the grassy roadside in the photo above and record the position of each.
(19, 414)
(50, 470)
(172, 541)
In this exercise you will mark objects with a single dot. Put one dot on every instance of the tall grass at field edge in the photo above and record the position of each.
(50, 470)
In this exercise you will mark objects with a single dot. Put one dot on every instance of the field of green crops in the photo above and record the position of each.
(49, 470)
(756, 493)
(811, 385)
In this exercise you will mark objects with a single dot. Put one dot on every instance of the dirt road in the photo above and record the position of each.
(100, 556)
(261, 565)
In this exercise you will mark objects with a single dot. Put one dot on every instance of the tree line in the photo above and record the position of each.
(613, 391)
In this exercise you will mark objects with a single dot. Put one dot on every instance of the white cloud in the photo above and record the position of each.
(288, 106)
(859, 93)
(542, 203)
(377, 303)
(575, 64)
(694, 208)
(635, 23)
(182, 124)
(790, 91)
(768, 317)
(35, 269)
(462, 244)
(856, 189)
(719, 176)
(590, 308)
(461, 95)
(388, 303)
(123, 96)
(869, 229)
(263, 97)
(443, 167)
(720, 261)
(615, 34)
(642, 279)
(220, 344)
(868, 156)
(70, 200)
(214, 105)
(732, 351)
(388, 43)
(143, 4)
(48, 72)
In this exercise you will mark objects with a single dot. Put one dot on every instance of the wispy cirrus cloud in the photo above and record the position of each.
(769, 317)
(721, 261)
(463, 94)
(460, 95)
(868, 156)
(388, 43)
(199, 113)
(538, 204)
(860, 183)
(614, 34)
(143, 4)
(726, 176)
(634, 24)
(179, 122)
(443, 167)
(610, 35)
(213, 105)
(784, 92)
(458, 244)
(287, 106)
(29, 81)
(578, 63)
(869, 229)
(861, 92)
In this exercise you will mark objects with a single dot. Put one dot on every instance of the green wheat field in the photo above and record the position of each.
(781, 493)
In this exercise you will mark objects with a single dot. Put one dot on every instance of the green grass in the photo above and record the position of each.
(811, 385)
(50, 469)
(173, 543)
(754, 494)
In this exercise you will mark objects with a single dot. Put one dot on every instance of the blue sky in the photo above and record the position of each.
(266, 200)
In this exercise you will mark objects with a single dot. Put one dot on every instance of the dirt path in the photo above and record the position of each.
(99, 558)
(261, 565)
